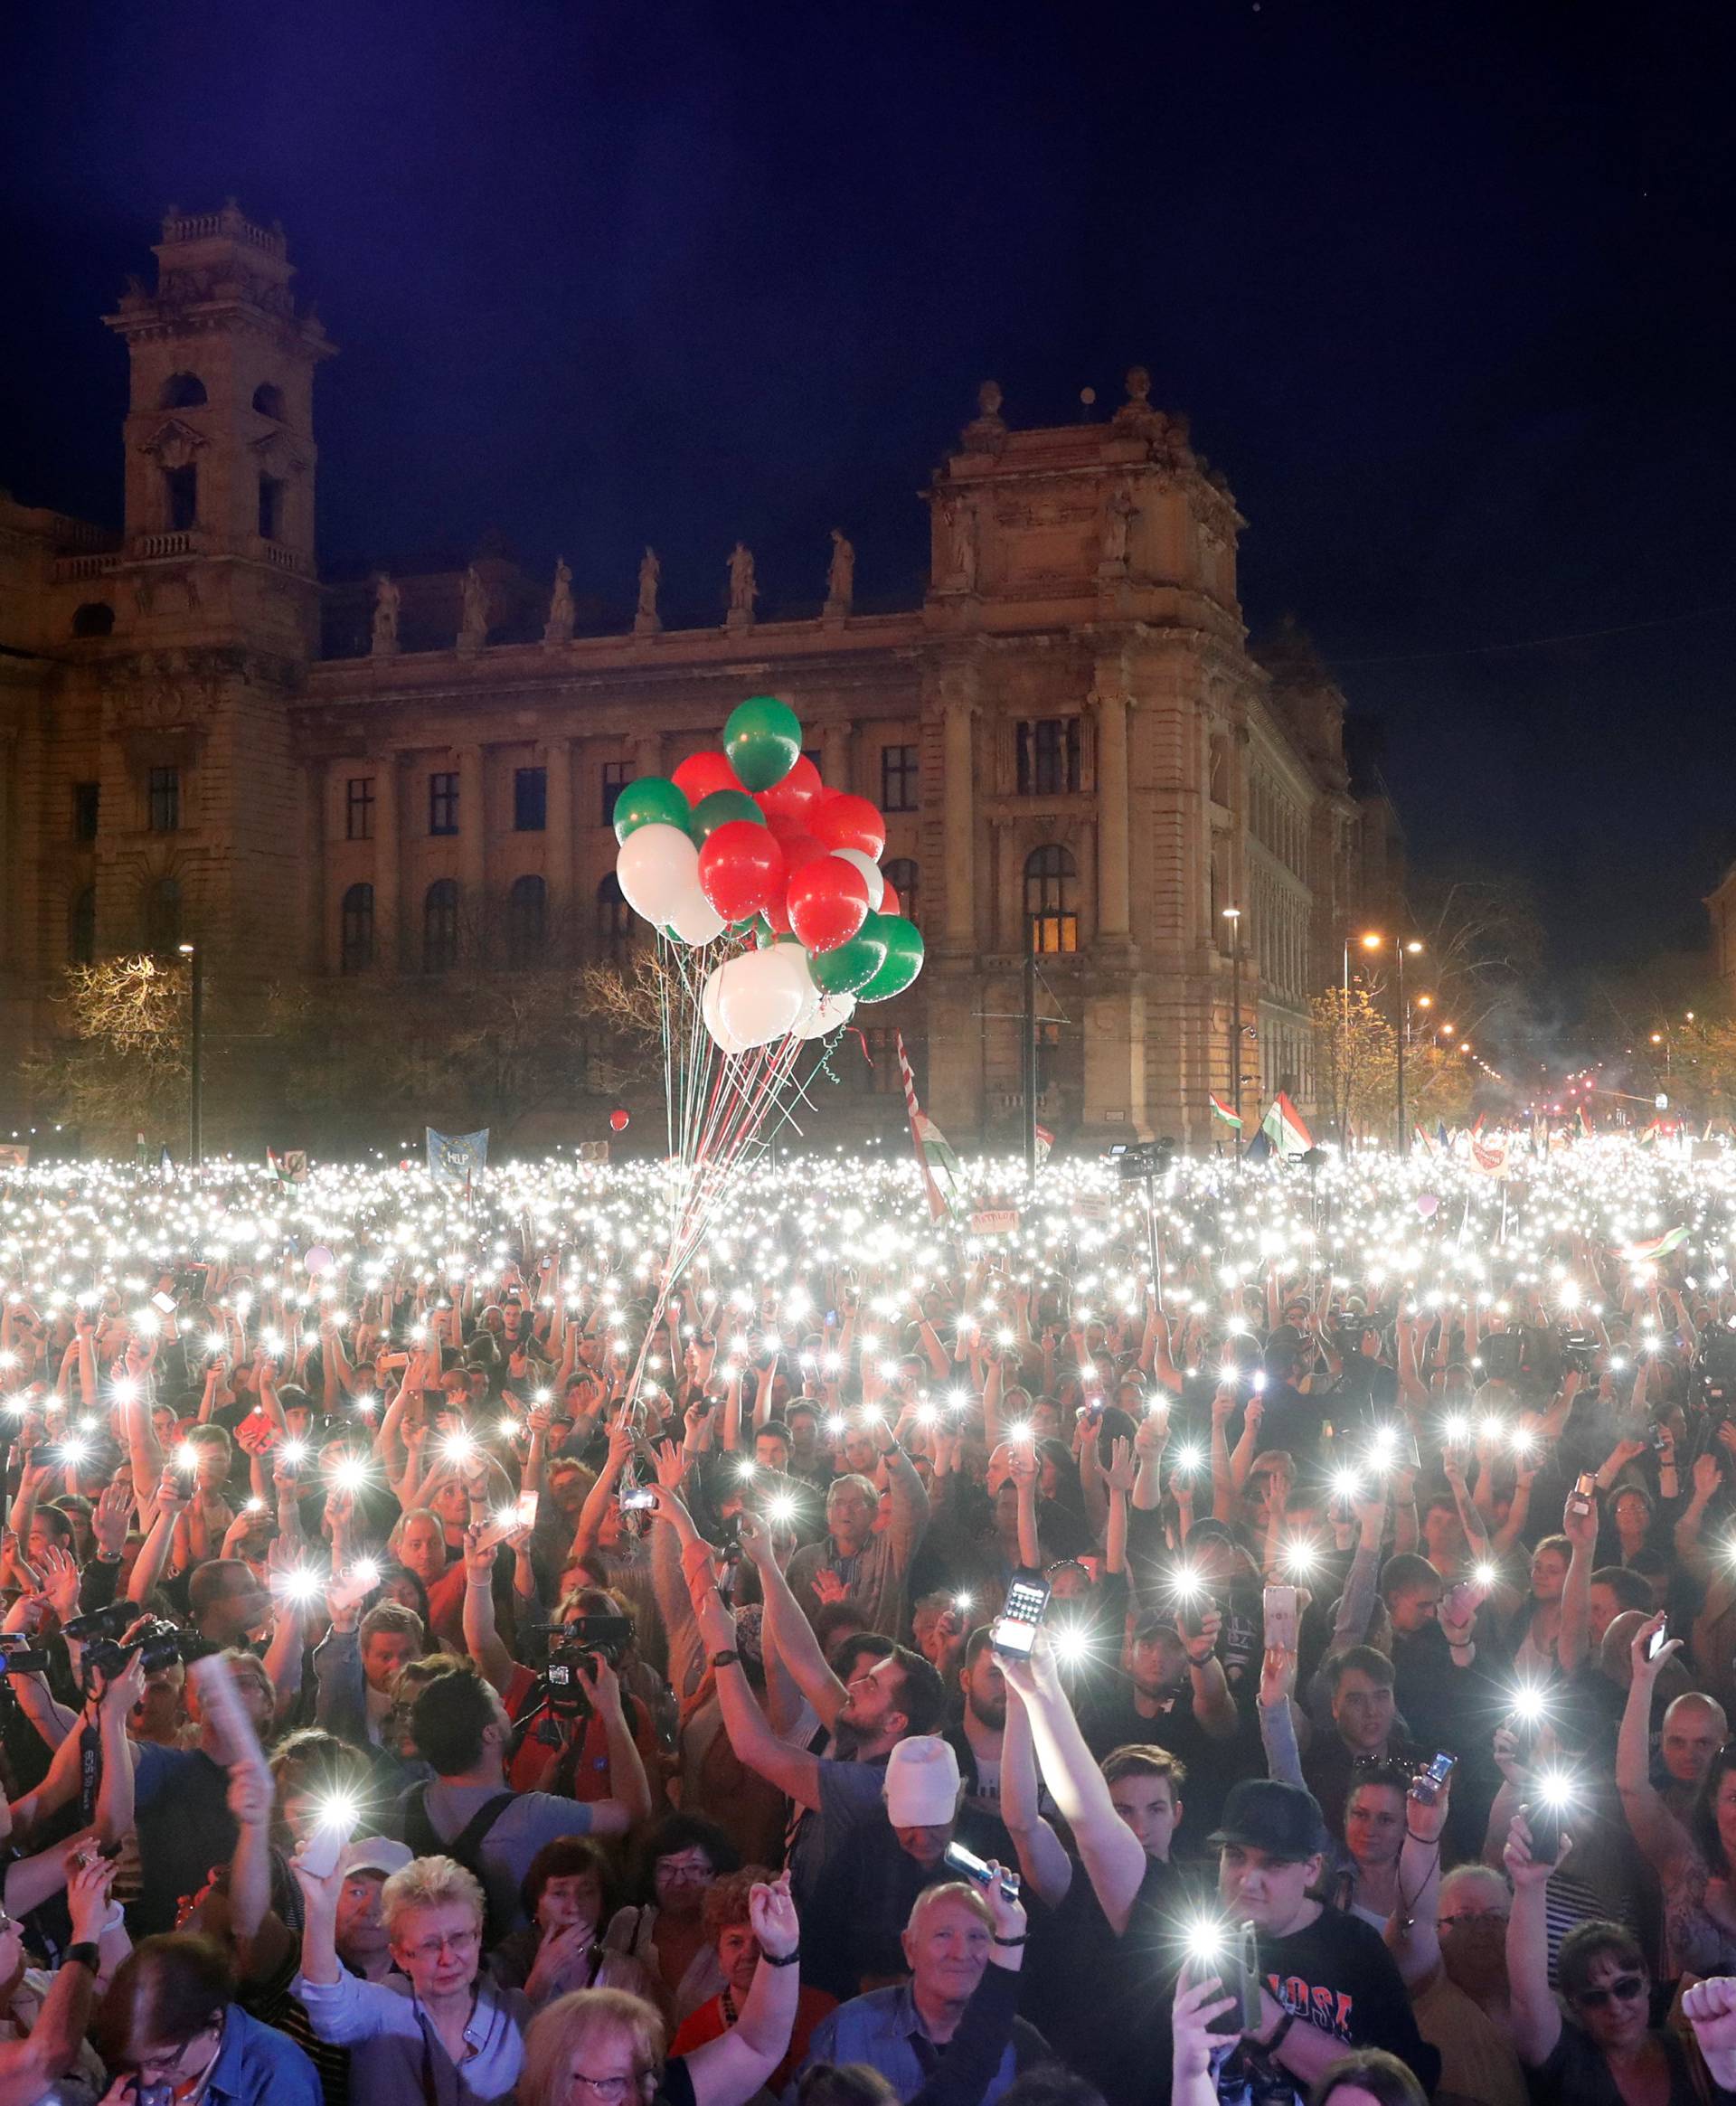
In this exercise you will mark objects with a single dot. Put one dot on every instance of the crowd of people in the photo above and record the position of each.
(1235, 1634)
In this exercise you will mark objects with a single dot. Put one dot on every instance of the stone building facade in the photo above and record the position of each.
(1072, 743)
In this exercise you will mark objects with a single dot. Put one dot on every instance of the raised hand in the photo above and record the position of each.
(1122, 1471)
(59, 1574)
(773, 1915)
(113, 1517)
(1276, 1676)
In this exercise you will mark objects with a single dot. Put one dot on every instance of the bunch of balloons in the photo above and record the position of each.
(748, 844)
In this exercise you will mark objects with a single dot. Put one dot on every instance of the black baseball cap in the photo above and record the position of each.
(1282, 1819)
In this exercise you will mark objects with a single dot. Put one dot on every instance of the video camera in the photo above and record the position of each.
(107, 1648)
(19, 1657)
(1143, 1158)
(584, 1643)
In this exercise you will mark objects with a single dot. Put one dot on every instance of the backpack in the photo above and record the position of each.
(465, 1848)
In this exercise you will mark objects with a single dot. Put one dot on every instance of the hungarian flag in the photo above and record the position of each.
(1283, 1127)
(1220, 1109)
(1585, 1124)
(1655, 1247)
(927, 1140)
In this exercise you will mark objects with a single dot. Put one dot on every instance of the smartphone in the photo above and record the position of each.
(1014, 1629)
(957, 1858)
(1659, 1639)
(1281, 1617)
(638, 1498)
(523, 1515)
(1427, 1785)
(1545, 1825)
(390, 1362)
(355, 1586)
(1585, 1493)
(1234, 1958)
(1459, 1600)
(318, 1855)
(163, 1303)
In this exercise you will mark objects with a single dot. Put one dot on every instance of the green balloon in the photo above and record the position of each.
(848, 969)
(650, 800)
(717, 809)
(763, 740)
(903, 942)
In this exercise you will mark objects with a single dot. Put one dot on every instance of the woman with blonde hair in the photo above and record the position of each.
(603, 2047)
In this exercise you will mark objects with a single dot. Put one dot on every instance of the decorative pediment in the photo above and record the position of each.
(173, 444)
(279, 455)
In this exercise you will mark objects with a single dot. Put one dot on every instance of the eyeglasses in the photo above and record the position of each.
(162, 2066)
(610, 2089)
(1626, 1987)
(460, 1943)
(683, 1868)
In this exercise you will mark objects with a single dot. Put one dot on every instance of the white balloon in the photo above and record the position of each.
(762, 993)
(827, 1015)
(697, 922)
(657, 871)
(721, 1034)
(869, 868)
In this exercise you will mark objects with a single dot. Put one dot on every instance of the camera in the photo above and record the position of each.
(584, 1643)
(1143, 1158)
(112, 1623)
(159, 1644)
(19, 1657)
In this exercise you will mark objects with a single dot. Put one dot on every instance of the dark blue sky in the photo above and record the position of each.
(1446, 291)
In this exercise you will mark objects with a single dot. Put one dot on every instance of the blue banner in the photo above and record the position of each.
(454, 1158)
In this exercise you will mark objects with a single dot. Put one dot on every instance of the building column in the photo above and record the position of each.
(647, 756)
(958, 789)
(557, 758)
(834, 755)
(388, 940)
(472, 854)
(1112, 886)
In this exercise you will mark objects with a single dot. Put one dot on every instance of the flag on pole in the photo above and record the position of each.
(454, 1158)
(1643, 1253)
(1284, 1128)
(925, 1139)
(1220, 1109)
(1045, 1140)
(1585, 1125)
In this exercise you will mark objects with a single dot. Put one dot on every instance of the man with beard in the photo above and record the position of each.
(977, 1738)
(1448, 1937)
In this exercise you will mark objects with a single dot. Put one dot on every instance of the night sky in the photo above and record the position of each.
(1446, 291)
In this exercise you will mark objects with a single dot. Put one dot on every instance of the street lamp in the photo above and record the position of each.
(1402, 949)
(196, 1080)
(1233, 916)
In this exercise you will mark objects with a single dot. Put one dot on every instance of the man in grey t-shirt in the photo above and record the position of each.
(461, 1728)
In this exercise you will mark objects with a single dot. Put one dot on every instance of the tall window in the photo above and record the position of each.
(614, 918)
(356, 929)
(181, 498)
(271, 508)
(529, 800)
(358, 808)
(440, 926)
(163, 916)
(1048, 753)
(164, 800)
(1051, 900)
(443, 803)
(86, 804)
(812, 755)
(898, 779)
(903, 876)
(615, 781)
(526, 921)
(82, 927)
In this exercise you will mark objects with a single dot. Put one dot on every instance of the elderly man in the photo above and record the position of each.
(867, 1553)
(952, 1932)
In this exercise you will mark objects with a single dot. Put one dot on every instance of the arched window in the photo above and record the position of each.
(1051, 898)
(96, 617)
(163, 916)
(440, 926)
(356, 934)
(183, 391)
(526, 921)
(82, 927)
(614, 918)
(1219, 769)
(903, 876)
(268, 401)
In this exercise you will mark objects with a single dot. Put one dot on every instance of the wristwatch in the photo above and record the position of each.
(728, 1659)
(86, 1955)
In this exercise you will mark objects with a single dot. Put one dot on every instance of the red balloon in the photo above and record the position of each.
(796, 795)
(828, 902)
(740, 869)
(618, 1119)
(701, 773)
(842, 821)
(889, 901)
(799, 850)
